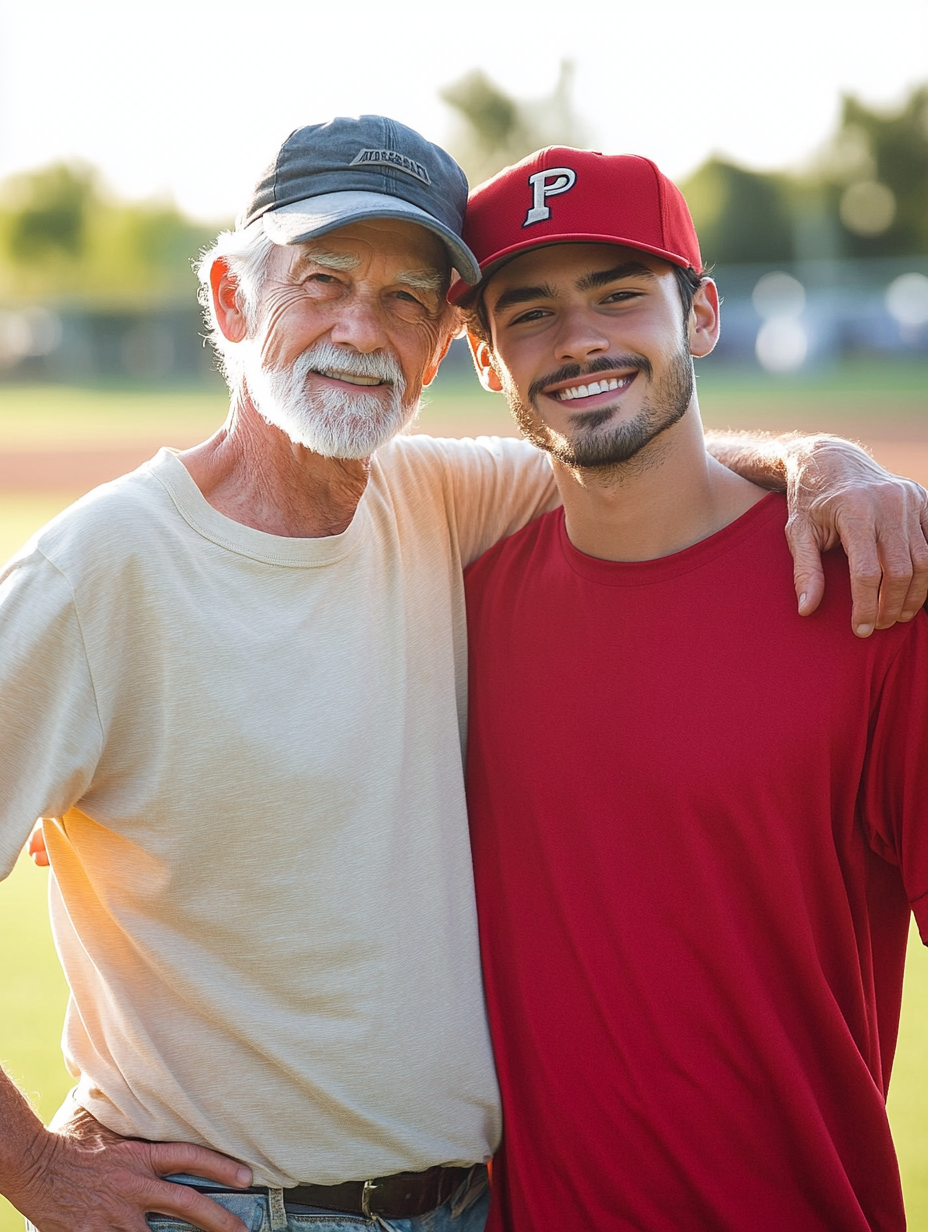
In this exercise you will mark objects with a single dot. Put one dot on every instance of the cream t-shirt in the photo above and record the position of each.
(251, 745)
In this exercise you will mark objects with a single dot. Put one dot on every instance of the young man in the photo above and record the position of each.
(698, 820)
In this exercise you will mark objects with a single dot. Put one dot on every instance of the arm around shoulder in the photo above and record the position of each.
(838, 493)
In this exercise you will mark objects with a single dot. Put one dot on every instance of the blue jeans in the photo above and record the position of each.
(465, 1211)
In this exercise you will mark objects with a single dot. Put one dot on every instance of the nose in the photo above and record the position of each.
(359, 326)
(580, 337)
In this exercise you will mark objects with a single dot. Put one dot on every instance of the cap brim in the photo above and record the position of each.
(306, 220)
(465, 294)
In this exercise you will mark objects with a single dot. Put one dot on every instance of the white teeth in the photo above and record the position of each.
(351, 377)
(595, 387)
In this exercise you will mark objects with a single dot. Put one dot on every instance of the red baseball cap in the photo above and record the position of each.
(560, 195)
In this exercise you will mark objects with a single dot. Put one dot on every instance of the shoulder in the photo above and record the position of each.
(471, 477)
(108, 523)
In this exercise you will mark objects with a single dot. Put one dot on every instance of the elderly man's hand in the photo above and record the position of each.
(84, 1177)
(837, 492)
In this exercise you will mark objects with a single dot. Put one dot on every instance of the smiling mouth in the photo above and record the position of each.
(572, 393)
(351, 378)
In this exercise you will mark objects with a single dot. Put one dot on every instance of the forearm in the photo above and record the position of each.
(809, 467)
(775, 460)
(24, 1145)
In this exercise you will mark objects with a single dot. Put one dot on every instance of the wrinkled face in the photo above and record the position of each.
(589, 344)
(348, 329)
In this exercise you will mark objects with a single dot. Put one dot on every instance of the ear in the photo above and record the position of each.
(486, 373)
(704, 320)
(229, 315)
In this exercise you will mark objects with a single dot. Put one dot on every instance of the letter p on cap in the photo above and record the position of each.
(544, 184)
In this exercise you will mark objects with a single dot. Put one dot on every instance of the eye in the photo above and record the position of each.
(619, 297)
(412, 306)
(533, 314)
(318, 276)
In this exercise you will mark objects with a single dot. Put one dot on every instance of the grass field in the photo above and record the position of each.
(871, 401)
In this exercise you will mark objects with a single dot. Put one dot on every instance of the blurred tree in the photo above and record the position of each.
(49, 215)
(876, 173)
(740, 215)
(63, 235)
(493, 130)
(864, 195)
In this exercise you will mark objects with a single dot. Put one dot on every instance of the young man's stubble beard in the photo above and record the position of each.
(331, 422)
(665, 405)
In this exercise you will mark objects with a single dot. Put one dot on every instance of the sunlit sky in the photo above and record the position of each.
(188, 99)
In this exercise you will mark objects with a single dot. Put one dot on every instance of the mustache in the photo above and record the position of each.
(379, 365)
(573, 372)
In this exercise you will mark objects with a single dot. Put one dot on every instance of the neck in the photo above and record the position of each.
(671, 495)
(254, 474)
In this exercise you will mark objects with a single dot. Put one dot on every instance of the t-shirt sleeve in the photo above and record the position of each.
(50, 730)
(894, 797)
(497, 485)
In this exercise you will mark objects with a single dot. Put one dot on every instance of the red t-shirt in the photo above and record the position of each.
(698, 825)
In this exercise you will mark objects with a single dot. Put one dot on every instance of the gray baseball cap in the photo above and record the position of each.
(328, 175)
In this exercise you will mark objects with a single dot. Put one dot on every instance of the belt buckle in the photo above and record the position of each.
(366, 1190)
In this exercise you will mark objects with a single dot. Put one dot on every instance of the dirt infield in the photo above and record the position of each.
(84, 465)
(72, 470)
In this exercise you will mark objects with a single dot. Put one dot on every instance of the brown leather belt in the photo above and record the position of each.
(405, 1195)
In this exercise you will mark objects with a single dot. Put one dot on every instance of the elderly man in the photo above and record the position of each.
(696, 863)
(235, 682)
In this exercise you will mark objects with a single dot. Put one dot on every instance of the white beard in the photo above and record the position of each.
(330, 422)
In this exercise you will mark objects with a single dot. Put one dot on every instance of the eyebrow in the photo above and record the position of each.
(523, 295)
(589, 282)
(422, 280)
(328, 260)
(601, 278)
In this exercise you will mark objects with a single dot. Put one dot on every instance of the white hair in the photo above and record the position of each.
(247, 251)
